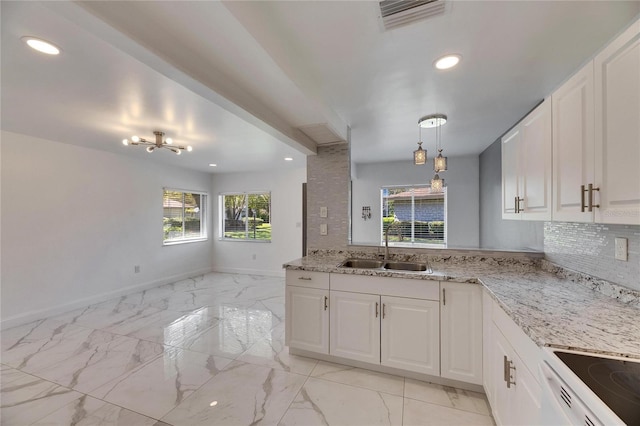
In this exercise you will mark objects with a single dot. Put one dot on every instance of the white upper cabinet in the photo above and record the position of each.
(596, 138)
(526, 167)
(573, 146)
(617, 129)
(510, 173)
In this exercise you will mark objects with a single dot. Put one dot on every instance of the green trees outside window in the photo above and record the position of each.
(183, 216)
(247, 216)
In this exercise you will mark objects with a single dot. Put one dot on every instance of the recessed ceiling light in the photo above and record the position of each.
(446, 62)
(41, 45)
(288, 159)
(212, 165)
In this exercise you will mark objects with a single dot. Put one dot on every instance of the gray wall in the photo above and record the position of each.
(496, 233)
(461, 180)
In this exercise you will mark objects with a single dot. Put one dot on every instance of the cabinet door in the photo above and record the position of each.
(355, 326)
(410, 335)
(617, 129)
(307, 325)
(573, 145)
(526, 400)
(461, 332)
(503, 395)
(487, 346)
(535, 165)
(510, 176)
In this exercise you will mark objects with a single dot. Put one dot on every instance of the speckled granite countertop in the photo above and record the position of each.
(552, 309)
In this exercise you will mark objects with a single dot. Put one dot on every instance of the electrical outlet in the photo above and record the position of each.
(323, 212)
(621, 249)
(323, 229)
(136, 269)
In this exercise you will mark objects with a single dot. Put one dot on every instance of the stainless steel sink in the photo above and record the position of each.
(406, 266)
(362, 263)
(388, 265)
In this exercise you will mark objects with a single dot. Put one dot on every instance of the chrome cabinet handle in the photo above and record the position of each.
(516, 204)
(444, 296)
(384, 305)
(325, 302)
(507, 367)
(376, 309)
(589, 190)
(304, 278)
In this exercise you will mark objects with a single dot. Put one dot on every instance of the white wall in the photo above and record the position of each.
(75, 221)
(286, 221)
(461, 180)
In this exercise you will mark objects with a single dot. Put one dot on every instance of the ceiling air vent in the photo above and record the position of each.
(396, 13)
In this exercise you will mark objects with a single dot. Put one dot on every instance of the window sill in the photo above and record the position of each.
(179, 242)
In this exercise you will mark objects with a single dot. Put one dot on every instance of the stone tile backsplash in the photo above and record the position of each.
(328, 180)
(590, 249)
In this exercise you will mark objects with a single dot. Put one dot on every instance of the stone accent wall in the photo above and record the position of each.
(328, 180)
(589, 248)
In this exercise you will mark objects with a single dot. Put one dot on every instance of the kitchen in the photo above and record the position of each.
(97, 259)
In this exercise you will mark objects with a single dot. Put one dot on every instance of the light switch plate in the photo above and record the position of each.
(323, 212)
(323, 229)
(621, 249)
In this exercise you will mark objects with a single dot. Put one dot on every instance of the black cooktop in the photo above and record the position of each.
(615, 381)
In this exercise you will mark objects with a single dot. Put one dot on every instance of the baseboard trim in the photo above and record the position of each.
(388, 370)
(30, 316)
(246, 271)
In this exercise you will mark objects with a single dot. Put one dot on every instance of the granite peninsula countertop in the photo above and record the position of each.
(551, 309)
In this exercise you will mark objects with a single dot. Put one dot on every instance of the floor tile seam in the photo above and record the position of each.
(57, 385)
(107, 402)
(355, 386)
(284, 413)
(448, 406)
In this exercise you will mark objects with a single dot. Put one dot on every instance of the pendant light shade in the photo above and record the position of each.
(419, 155)
(439, 162)
(437, 184)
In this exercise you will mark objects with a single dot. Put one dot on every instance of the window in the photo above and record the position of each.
(419, 216)
(183, 216)
(246, 216)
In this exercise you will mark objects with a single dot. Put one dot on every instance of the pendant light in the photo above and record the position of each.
(437, 184)
(419, 155)
(439, 162)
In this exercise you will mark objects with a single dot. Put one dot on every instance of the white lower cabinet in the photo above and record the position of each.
(461, 332)
(517, 393)
(409, 335)
(307, 310)
(355, 326)
(393, 322)
(512, 389)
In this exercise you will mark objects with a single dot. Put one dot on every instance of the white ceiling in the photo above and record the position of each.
(238, 80)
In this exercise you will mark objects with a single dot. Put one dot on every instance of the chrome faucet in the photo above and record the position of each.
(386, 238)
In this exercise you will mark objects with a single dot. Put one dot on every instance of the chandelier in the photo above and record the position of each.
(439, 162)
(159, 143)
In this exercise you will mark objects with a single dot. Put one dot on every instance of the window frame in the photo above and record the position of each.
(204, 208)
(221, 215)
(412, 242)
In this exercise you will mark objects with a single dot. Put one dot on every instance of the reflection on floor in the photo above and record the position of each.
(202, 351)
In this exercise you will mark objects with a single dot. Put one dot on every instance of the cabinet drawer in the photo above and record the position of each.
(385, 286)
(308, 279)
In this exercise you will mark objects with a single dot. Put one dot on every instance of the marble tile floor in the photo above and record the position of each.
(203, 351)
